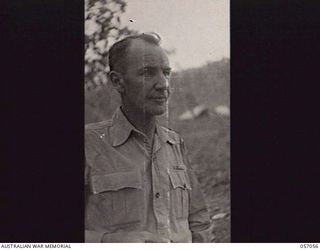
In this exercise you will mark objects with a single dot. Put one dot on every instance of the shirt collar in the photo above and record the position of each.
(122, 128)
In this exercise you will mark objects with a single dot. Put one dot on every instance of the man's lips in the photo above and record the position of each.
(159, 98)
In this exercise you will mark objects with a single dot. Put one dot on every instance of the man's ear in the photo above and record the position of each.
(117, 81)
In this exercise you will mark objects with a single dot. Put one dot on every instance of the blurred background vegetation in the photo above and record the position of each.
(206, 89)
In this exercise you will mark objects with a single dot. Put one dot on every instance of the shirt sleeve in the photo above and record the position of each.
(199, 216)
(90, 236)
(93, 236)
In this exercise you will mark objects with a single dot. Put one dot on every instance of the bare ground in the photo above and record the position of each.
(208, 141)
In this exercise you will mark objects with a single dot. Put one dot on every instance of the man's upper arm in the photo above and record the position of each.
(199, 216)
(91, 236)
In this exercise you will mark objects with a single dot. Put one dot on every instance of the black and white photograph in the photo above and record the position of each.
(157, 121)
(116, 124)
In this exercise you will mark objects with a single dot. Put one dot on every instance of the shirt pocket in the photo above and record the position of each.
(120, 197)
(180, 191)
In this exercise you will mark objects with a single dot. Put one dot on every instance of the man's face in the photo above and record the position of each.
(146, 79)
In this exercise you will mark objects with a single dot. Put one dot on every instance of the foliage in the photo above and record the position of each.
(208, 85)
(102, 28)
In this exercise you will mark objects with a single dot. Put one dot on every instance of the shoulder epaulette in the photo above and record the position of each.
(173, 135)
(98, 125)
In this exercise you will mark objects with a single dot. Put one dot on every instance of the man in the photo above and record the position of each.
(139, 184)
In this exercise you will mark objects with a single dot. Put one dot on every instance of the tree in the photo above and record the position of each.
(102, 28)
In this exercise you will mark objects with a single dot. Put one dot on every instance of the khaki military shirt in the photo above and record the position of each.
(130, 188)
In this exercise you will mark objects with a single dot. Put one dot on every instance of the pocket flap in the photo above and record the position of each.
(180, 179)
(116, 181)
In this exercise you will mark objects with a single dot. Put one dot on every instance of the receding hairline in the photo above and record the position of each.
(136, 42)
(119, 51)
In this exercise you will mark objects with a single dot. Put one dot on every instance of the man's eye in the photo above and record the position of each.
(167, 73)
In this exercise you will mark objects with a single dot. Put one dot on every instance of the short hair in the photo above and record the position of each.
(119, 50)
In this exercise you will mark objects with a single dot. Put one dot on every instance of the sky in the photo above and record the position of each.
(198, 30)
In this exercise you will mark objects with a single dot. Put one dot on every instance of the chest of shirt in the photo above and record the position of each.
(133, 155)
(119, 178)
(128, 165)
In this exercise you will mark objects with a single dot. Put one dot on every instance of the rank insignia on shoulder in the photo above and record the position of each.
(179, 167)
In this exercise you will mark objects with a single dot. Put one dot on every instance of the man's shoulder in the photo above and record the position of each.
(169, 130)
(172, 136)
(98, 126)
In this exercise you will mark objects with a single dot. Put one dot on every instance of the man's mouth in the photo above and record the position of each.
(159, 98)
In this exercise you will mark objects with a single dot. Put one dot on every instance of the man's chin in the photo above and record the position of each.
(157, 111)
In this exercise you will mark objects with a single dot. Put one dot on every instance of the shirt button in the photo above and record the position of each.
(185, 186)
(157, 195)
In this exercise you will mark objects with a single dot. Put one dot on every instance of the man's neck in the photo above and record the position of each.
(142, 122)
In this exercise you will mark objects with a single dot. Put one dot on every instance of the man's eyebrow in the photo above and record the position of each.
(154, 67)
(149, 67)
(167, 68)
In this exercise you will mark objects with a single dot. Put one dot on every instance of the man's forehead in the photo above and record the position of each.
(144, 52)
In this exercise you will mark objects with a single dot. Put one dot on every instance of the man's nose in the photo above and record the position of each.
(162, 82)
